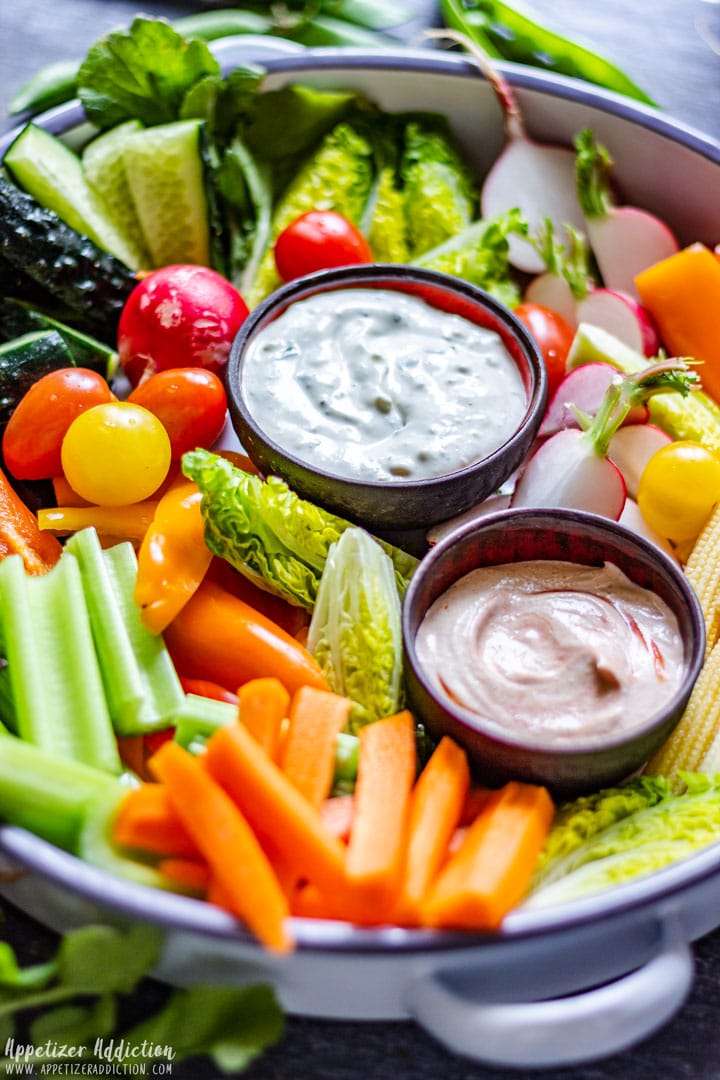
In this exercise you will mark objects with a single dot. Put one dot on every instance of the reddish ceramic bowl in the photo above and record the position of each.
(514, 536)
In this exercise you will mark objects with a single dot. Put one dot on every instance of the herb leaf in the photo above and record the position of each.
(142, 73)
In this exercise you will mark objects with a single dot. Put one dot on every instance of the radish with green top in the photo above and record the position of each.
(537, 178)
(582, 392)
(624, 239)
(572, 469)
(567, 280)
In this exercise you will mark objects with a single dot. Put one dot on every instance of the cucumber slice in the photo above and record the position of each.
(23, 361)
(18, 319)
(104, 169)
(45, 168)
(166, 175)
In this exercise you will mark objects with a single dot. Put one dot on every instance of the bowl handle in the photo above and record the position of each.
(562, 1031)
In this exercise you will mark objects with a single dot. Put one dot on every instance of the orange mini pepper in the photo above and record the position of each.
(173, 557)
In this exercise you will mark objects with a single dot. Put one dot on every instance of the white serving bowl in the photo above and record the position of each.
(478, 994)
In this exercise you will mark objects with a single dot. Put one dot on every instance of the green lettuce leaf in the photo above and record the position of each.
(268, 533)
(338, 176)
(384, 222)
(440, 198)
(479, 254)
(660, 828)
(142, 73)
(355, 633)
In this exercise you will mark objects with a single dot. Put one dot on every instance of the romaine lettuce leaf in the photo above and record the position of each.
(355, 633)
(338, 176)
(440, 198)
(384, 222)
(479, 254)
(268, 533)
(660, 828)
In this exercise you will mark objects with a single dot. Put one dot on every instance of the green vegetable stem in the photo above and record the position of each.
(505, 33)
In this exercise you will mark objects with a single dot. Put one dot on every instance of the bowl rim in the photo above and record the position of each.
(356, 277)
(591, 524)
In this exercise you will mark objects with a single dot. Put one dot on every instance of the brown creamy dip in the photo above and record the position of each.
(553, 652)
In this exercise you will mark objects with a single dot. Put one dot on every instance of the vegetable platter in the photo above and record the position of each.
(621, 959)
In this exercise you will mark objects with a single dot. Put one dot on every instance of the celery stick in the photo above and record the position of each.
(197, 717)
(95, 844)
(56, 683)
(47, 794)
(141, 684)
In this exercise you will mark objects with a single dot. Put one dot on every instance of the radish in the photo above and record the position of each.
(572, 469)
(179, 316)
(538, 178)
(583, 389)
(633, 519)
(632, 447)
(567, 279)
(624, 239)
(621, 315)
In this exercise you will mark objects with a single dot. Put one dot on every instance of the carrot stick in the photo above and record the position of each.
(376, 851)
(475, 801)
(275, 809)
(219, 637)
(263, 704)
(227, 842)
(21, 535)
(490, 872)
(336, 814)
(436, 804)
(190, 874)
(308, 753)
(146, 820)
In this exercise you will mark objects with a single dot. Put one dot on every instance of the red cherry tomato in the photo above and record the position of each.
(34, 434)
(205, 688)
(190, 402)
(553, 335)
(179, 316)
(319, 240)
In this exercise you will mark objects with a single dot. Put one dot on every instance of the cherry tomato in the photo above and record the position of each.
(179, 316)
(115, 454)
(190, 402)
(553, 336)
(319, 240)
(678, 488)
(34, 434)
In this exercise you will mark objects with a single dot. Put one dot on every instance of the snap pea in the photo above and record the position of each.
(221, 23)
(507, 34)
(49, 86)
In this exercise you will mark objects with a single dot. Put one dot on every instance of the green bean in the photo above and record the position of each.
(49, 86)
(516, 37)
(323, 31)
(372, 14)
(224, 22)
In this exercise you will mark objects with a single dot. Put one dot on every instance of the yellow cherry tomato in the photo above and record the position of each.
(116, 453)
(678, 489)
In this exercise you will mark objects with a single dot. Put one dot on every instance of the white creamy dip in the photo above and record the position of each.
(375, 384)
(553, 652)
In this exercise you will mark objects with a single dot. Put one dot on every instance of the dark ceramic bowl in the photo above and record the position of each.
(398, 505)
(514, 536)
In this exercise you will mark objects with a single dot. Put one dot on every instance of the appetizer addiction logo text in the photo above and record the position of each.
(106, 1057)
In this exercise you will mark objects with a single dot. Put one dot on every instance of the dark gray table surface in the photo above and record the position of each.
(667, 47)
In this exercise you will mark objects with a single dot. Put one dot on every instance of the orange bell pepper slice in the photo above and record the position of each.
(173, 557)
